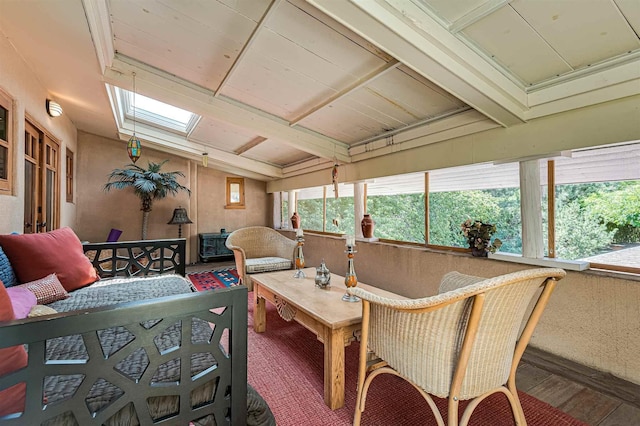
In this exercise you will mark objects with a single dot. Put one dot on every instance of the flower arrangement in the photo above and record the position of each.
(478, 235)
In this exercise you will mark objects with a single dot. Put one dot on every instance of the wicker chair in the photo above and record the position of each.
(462, 344)
(260, 249)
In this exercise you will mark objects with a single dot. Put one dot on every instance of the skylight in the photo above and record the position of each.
(156, 113)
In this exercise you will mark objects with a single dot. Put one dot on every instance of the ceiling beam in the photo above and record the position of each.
(409, 34)
(168, 88)
(182, 146)
(268, 13)
(251, 144)
(391, 65)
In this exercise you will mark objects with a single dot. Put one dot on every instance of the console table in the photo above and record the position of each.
(212, 246)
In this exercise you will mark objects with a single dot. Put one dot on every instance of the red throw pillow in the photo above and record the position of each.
(34, 256)
(11, 359)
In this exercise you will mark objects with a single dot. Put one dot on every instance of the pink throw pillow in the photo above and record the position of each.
(46, 290)
(22, 301)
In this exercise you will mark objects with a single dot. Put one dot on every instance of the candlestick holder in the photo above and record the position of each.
(299, 258)
(350, 278)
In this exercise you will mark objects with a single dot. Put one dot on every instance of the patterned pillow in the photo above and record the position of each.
(47, 289)
(7, 276)
(40, 310)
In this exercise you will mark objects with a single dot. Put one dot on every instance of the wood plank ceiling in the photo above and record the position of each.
(289, 86)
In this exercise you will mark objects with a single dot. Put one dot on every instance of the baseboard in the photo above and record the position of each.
(605, 383)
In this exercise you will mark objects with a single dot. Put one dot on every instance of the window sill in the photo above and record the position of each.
(571, 265)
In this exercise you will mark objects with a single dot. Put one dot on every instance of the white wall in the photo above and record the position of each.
(29, 97)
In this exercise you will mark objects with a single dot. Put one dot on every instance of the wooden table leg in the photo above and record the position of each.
(334, 368)
(259, 312)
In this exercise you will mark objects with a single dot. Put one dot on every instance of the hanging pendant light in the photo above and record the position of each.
(133, 146)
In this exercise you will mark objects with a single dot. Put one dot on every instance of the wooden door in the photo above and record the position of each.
(41, 177)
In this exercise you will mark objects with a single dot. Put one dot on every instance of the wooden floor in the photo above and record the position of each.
(578, 400)
(596, 405)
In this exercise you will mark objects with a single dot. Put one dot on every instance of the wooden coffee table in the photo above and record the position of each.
(321, 311)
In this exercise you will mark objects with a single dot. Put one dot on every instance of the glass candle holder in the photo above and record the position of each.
(299, 258)
(350, 278)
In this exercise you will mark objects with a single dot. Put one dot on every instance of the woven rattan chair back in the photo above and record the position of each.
(463, 344)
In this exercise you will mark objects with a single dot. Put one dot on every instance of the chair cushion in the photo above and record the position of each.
(7, 276)
(34, 256)
(267, 264)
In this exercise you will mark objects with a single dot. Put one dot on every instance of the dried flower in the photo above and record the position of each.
(478, 235)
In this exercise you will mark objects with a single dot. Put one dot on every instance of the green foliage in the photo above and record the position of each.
(148, 184)
(310, 212)
(579, 234)
(340, 215)
(618, 209)
(398, 217)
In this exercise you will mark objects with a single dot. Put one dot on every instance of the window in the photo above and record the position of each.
(486, 192)
(69, 171)
(6, 143)
(311, 208)
(396, 204)
(340, 211)
(597, 207)
(235, 193)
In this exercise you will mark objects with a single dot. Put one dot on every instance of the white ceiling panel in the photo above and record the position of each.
(342, 122)
(631, 12)
(191, 46)
(583, 32)
(513, 43)
(451, 11)
(220, 135)
(275, 152)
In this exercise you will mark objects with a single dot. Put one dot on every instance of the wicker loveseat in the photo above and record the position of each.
(101, 361)
(260, 249)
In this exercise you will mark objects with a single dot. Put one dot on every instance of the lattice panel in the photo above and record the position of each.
(137, 258)
(109, 365)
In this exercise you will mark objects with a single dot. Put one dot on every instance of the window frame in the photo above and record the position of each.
(232, 204)
(7, 102)
(69, 164)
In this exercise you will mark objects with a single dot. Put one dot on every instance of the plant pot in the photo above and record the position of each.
(367, 225)
(479, 252)
(295, 220)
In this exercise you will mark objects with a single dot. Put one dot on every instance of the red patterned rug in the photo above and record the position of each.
(285, 365)
(210, 280)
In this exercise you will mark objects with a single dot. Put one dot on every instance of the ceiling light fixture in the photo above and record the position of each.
(133, 146)
(53, 108)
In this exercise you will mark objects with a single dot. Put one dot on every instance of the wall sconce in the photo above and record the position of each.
(53, 108)
(179, 218)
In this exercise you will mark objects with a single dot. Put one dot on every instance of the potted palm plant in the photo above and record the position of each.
(148, 184)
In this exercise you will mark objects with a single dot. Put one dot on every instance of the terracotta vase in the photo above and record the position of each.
(295, 220)
(367, 226)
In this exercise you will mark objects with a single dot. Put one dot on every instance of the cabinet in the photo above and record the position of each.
(212, 246)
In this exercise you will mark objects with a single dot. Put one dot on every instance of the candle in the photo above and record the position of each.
(351, 240)
(299, 232)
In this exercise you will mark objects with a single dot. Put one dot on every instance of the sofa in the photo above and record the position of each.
(110, 351)
(260, 249)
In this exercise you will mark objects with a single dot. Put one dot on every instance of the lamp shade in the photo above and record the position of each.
(179, 217)
(53, 108)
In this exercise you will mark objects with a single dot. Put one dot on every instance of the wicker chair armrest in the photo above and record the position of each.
(475, 287)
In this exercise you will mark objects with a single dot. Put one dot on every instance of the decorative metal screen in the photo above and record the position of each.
(137, 258)
(175, 360)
